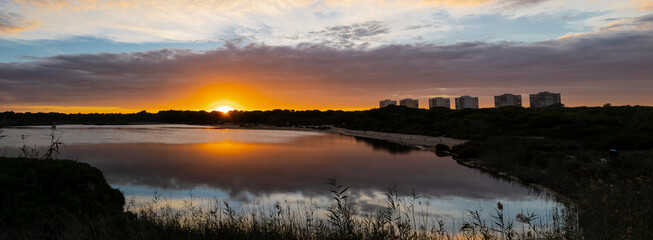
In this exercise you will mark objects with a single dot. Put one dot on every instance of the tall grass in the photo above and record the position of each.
(401, 218)
(55, 142)
(32, 151)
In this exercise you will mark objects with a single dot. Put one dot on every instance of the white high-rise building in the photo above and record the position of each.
(544, 99)
(439, 102)
(408, 102)
(507, 100)
(387, 102)
(466, 102)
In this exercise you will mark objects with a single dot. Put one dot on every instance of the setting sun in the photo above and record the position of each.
(224, 108)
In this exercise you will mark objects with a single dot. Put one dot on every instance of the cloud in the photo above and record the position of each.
(611, 66)
(415, 27)
(49, 3)
(273, 22)
(12, 23)
(521, 3)
(350, 35)
(645, 19)
(456, 3)
(644, 5)
(643, 23)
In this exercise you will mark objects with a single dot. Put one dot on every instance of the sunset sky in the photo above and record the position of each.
(127, 56)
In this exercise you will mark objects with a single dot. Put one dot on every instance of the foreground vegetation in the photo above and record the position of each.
(62, 199)
(44, 199)
(612, 192)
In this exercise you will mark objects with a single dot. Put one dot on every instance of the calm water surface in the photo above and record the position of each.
(253, 169)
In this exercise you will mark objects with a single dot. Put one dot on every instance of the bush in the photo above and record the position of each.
(442, 148)
(50, 194)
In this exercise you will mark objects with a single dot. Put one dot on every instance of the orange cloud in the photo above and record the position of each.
(46, 3)
(66, 109)
(458, 3)
(11, 29)
(12, 23)
(233, 5)
(79, 4)
(644, 5)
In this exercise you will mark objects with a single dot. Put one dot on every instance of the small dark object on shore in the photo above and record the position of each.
(442, 154)
(613, 154)
(442, 148)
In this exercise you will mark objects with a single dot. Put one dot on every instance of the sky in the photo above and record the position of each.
(127, 56)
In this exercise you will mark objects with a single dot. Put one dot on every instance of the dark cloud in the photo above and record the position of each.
(420, 26)
(348, 35)
(620, 24)
(645, 19)
(521, 3)
(596, 68)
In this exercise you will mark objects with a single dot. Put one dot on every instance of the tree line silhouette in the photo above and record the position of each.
(622, 127)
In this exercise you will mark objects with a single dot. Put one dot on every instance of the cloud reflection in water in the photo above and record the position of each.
(301, 165)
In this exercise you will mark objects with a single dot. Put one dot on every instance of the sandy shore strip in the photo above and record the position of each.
(405, 139)
(263, 127)
(426, 142)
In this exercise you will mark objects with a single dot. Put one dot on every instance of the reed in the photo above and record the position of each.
(398, 219)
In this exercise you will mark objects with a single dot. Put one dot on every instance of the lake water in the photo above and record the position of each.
(253, 169)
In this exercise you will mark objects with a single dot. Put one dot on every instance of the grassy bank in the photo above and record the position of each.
(612, 192)
(62, 199)
(48, 199)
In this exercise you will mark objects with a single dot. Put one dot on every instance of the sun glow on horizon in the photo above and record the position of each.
(224, 108)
